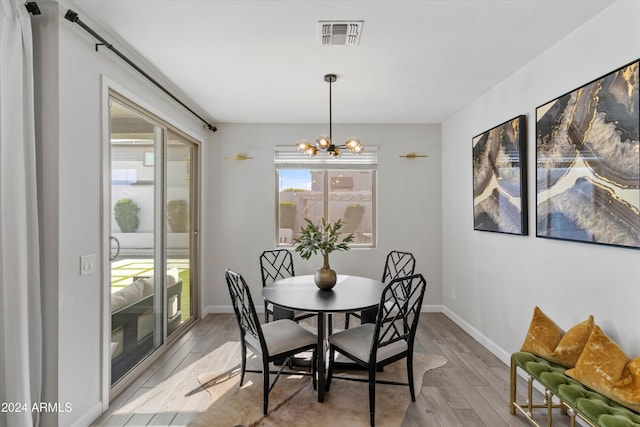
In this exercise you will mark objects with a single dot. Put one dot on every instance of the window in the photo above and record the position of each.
(323, 186)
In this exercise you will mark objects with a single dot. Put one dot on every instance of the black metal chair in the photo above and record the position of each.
(274, 265)
(390, 339)
(271, 341)
(397, 264)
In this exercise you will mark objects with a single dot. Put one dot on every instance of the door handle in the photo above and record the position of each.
(111, 255)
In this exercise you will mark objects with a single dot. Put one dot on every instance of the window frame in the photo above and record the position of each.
(287, 158)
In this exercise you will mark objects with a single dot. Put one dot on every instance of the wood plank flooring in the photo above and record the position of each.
(472, 389)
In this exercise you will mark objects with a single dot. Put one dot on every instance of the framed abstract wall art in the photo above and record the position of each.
(588, 162)
(499, 178)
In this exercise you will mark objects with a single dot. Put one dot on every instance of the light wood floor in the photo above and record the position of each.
(472, 389)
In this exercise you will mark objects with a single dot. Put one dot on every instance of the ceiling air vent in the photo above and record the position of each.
(340, 33)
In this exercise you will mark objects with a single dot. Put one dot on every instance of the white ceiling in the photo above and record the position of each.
(259, 61)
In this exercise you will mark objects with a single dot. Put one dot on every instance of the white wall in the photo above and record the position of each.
(239, 201)
(497, 279)
(72, 108)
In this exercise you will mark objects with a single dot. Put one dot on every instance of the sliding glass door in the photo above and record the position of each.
(153, 207)
(181, 188)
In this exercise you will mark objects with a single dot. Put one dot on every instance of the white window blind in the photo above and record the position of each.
(290, 158)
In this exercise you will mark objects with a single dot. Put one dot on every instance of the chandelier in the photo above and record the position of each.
(324, 142)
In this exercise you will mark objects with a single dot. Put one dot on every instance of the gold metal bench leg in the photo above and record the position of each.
(530, 394)
(572, 417)
(525, 408)
(512, 407)
(549, 398)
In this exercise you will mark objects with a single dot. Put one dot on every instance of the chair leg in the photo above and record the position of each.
(410, 376)
(265, 386)
(372, 393)
(243, 363)
(314, 368)
(327, 383)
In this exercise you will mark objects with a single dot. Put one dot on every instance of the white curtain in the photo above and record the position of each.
(20, 306)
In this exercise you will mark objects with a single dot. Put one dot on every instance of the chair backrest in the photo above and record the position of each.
(276, 264)
(398, 264)
(243, 307)
(399, 311)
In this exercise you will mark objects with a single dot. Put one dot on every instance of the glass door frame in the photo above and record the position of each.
(160, 241)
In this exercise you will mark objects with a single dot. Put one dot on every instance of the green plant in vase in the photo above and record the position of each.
(324, 238)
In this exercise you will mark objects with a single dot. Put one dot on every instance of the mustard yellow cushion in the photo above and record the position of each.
(626, 390)
(547, 340)
(605, 368)
(572, 344)
(543, 335)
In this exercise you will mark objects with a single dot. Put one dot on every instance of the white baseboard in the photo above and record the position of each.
(431, 309)
(478, 336)
(211, 309)
(89, 416)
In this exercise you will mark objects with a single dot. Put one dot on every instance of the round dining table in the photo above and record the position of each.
(351, 293)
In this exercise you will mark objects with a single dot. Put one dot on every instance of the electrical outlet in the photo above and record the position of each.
(87, 264)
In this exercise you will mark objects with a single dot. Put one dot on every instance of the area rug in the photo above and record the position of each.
(293, 402)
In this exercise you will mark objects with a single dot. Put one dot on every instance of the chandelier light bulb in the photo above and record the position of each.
(357, 149)
(323, 142)
(353, 143)
(303, 145)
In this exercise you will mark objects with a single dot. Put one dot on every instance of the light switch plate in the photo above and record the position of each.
(87, 264)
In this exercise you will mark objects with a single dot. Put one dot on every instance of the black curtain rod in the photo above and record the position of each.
(73, 17)
(32, 8)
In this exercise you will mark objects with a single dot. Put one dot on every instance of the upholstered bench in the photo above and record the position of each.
(572, 397)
